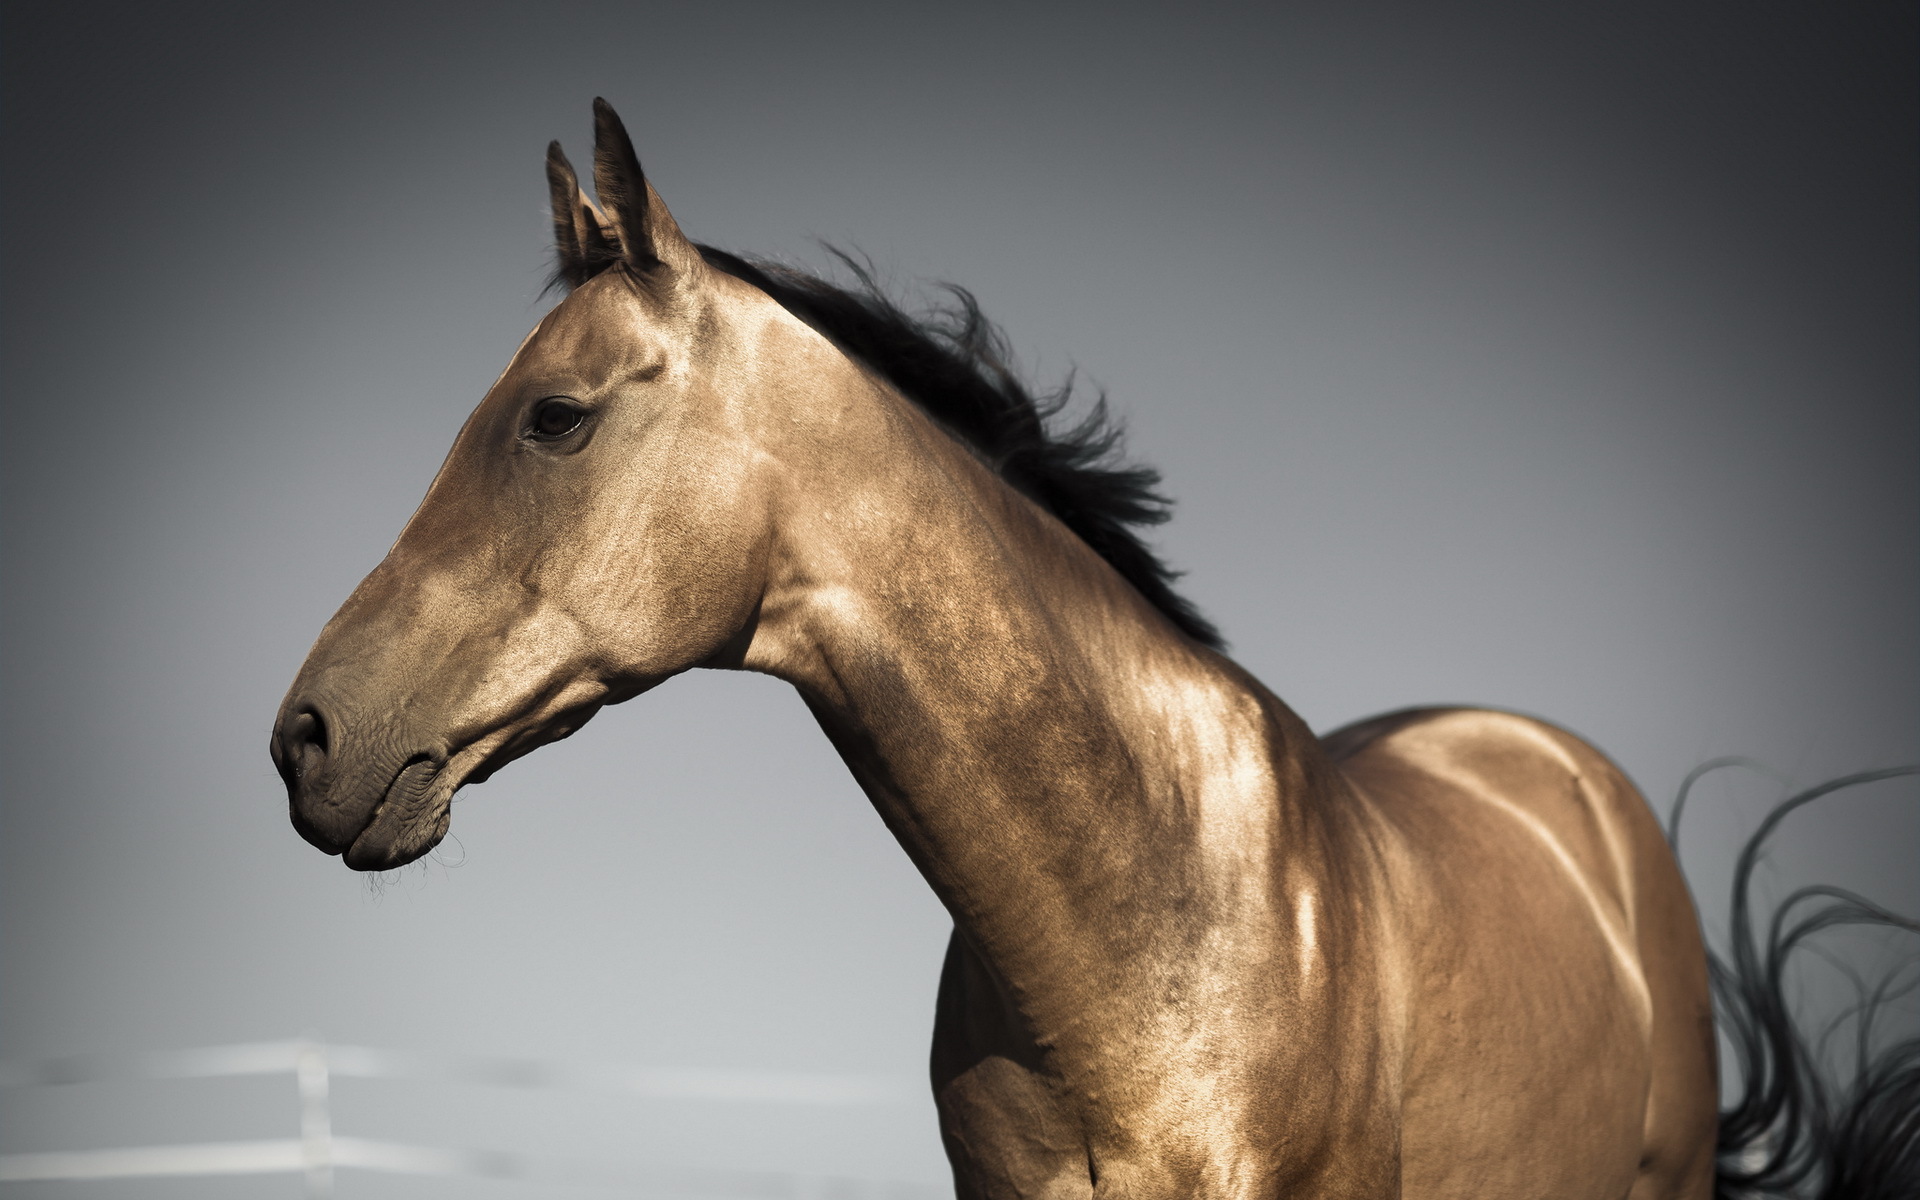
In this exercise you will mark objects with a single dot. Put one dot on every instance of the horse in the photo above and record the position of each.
(1198, 951)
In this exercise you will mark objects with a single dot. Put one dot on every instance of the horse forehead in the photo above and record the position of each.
(596, 330)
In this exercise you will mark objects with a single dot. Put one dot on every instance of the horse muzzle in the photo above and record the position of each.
(378, 809)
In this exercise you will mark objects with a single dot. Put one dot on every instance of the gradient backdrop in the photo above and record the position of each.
(1561, 358)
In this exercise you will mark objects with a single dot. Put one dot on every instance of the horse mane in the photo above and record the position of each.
(956, 365)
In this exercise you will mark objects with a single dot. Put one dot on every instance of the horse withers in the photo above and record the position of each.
(1197, 951)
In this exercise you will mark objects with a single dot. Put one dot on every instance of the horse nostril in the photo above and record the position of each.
(301, 746)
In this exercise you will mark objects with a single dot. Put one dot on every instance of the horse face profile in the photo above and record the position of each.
(601, 523)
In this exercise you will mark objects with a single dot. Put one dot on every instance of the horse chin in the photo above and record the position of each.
(410, 819)
(380, 848)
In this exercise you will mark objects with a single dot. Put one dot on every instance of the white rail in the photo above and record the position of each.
(318, 1152)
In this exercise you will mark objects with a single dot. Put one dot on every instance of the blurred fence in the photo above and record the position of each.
(318, 1152)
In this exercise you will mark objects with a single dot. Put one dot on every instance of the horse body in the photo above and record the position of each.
(1560, 1035)
(1197, 953)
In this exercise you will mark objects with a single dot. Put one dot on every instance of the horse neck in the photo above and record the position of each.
(1056, 758)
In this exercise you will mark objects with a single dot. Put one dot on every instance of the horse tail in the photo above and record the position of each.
(1794, 1130)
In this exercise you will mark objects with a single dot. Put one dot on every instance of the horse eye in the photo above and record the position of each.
(555, 418)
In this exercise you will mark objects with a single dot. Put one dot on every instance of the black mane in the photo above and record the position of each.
(956, 365)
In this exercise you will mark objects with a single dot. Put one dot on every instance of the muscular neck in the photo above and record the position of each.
(1089, 793)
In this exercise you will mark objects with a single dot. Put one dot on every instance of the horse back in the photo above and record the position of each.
(1547, 958)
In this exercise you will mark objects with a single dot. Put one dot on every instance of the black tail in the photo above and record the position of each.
(1795, 1130)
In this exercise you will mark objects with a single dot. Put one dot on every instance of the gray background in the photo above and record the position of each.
(1560, 358)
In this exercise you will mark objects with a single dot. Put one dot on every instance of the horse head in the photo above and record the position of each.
(600, 524)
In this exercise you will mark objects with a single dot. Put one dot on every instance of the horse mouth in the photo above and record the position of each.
(410, 819)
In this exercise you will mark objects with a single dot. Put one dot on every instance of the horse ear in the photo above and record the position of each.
(638, 219)
(580, 235)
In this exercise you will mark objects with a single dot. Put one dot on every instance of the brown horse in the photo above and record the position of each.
(1198, 952)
